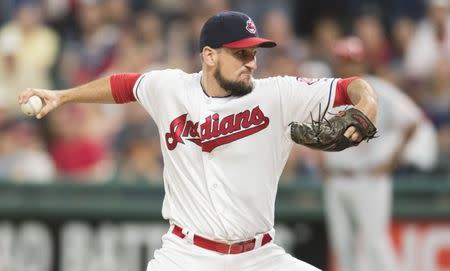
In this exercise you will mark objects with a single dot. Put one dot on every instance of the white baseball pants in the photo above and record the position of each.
(358, 211)
(179, 254)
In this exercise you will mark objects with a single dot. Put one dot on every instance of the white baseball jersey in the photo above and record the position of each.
(223, 156)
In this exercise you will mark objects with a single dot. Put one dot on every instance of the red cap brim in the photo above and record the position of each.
(251, 42)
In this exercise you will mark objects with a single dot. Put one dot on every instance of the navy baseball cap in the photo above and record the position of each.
(231, 29)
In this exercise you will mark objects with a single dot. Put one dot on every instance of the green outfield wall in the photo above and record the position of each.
(421, 197)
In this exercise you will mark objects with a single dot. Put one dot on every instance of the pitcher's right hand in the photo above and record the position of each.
(51, 99)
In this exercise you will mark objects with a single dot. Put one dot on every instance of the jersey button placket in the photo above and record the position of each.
(215, 190)
(208, 159)
(212, 184)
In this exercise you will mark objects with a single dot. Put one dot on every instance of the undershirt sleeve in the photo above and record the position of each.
(122, 86)
(341, 97)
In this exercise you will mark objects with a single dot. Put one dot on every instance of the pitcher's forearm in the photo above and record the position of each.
(98, 91)
(113, 89)
(364, 98)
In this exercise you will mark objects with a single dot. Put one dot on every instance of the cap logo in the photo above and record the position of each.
(251, 26)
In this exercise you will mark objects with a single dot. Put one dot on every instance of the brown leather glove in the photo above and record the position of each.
(328, 135)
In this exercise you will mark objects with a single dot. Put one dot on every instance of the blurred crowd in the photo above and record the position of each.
(57, 44)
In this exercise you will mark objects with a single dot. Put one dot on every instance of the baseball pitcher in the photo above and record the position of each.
(225, 139)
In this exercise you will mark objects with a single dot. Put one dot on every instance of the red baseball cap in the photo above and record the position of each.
(350, 49)
(231, 29)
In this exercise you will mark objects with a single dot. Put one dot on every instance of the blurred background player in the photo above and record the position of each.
(358, 191)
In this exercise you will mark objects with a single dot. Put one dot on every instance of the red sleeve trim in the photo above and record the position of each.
(341, 97)
(122, 86)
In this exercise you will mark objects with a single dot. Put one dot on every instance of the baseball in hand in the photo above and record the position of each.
(33, 106)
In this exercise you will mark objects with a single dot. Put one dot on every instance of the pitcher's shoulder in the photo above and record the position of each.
(273, 82)
(174, 73)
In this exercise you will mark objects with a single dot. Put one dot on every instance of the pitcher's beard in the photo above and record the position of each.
(234, 88)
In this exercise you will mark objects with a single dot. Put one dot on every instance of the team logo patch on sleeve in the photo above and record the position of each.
(251, 26)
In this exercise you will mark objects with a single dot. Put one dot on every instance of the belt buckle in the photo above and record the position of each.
(230, 244)
(248, 245)
(235, 248)
(241, 247)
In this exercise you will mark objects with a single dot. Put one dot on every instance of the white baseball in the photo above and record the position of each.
(32, 107)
